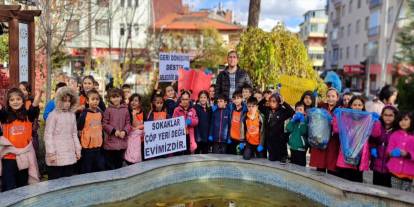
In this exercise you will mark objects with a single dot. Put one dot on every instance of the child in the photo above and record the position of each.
(117, 125)
(389, 123)
(51, 104)
(134, 152)
(212, 93)
(91, 137)
(87, 84)
(247, 92)
(346, 97)
(62, 145)
(126, 89)
(308, 100)
(191, 120)
(15, 141)
(345, 170)
(24, 86)
(219, 127)
(252, 131)
(238, 110)
(298, 142)
(325, 159)
(204, 116)
(275, 116)
(258, 95)
(400, 151)
(158, 108)
(170, 100)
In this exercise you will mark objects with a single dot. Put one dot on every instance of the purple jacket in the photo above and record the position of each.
(379, 164)
(398, 166)
(116, 119)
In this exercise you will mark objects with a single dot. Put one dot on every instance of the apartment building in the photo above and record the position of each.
(313, 34)
(356, 33)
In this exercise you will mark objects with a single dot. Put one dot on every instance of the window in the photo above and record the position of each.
(365, 50)
(347, 52)
(340, 53)
(359, 4)
(73, 26)
(129, 3)
(103, 3)
(314, 28)
(350, 7)
(349, 30)
(366, 23)
(122, 29)
(129, 27)
(343, 10)
(136, 3)
(374, 19)
(102, 27)
(390, 14)
(356, 51)
(342, 32)
(122, 3)
(357, 26)
(136, 29)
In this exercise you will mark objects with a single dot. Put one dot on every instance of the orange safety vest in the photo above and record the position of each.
(253, 130)
(91, 136)
(19, 133)
(235, 125)
(82, 100)
(160, 115)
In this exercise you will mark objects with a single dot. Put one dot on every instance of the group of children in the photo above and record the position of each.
(83, 135)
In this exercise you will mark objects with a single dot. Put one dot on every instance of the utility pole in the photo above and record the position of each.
(89, 57)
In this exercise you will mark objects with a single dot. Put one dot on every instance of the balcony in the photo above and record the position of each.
(374, 3)
(374, 31)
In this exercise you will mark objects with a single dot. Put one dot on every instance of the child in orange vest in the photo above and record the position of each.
(238, 110)
(252, 131)
(16, 123)
(91, 137)
(87, 85)
(158, 108)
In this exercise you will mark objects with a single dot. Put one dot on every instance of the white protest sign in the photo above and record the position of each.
(164, 137)
(169, 65)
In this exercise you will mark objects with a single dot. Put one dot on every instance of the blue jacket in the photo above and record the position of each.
(204, 117)
(220, 125)
(49, 108)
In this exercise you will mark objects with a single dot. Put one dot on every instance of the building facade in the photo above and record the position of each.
(313, 34)
(357, 36)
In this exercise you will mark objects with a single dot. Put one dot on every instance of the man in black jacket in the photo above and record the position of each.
(232, 78)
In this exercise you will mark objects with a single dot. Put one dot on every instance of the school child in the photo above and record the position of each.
(308, 100)
(258, 95)
(91, 135)
(158, 108)
(62, 145)
(126, 89)
(25, 87)
(400, 151)
(16, 147)
(298, 141)
(170, 100)
(325, 159)
(96, 85)
(191, 120)
(212, 93)
(346, 97)
(378, 146)
(134, 151)
(203, 110)
(117, 125)
(275, 116)
(247, 92)
(238, 109)
(88, 84)
(50, 106)
(219, 127)
(345, 170)
(252, 140)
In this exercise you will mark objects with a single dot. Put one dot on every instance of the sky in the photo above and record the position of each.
(272, 11)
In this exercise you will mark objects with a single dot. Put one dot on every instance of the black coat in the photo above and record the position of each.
(203, 127)
(223, 82)
(275, 121)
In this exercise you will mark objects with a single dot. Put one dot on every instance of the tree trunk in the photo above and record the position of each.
(254, 13)
(48, 50)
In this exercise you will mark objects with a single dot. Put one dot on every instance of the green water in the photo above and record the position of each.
(217, 193)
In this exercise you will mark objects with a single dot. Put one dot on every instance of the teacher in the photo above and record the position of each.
(232, 78)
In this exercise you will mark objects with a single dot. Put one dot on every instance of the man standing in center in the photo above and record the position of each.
(232, 79)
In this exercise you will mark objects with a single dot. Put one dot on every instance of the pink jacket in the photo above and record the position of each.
(401, 167)
(188, 114)
(116, 119)
(133, 151)
(61, 138)
(25, 158)
(365, 157)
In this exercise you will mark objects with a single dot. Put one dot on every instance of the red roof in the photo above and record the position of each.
(165, 7)
(194, 21)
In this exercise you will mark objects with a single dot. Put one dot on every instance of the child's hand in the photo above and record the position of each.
(374, 152)
(403, 153)
(117, 133)
(78, 156)
(260, 148)
(122, 134)
(51, 157)
(396, 153)
(229, 141)
(210, 138)
(241, 146)
(188, 121)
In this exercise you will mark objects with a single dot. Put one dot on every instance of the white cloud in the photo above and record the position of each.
(273, 11)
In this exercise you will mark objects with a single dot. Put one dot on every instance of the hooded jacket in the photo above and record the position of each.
(220, 125)
(61, 134)
(116, 118)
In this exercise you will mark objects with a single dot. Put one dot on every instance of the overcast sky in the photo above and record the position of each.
(289, 11)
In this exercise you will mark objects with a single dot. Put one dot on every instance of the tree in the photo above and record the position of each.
(4, 48)
(268, 55)
(254, 13)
